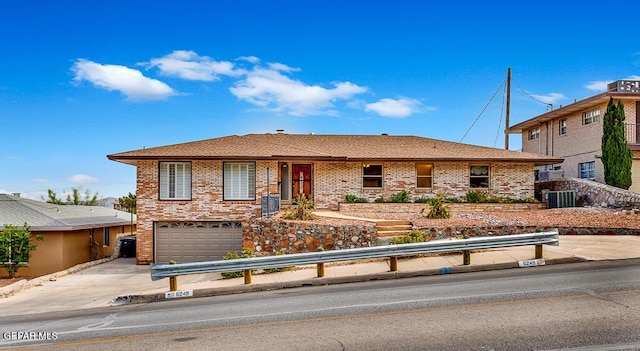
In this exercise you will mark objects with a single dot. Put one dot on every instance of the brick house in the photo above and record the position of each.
(574, 133)
(195, 198)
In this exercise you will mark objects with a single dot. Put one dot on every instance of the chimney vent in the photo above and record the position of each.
(280, 131)
(16, 194)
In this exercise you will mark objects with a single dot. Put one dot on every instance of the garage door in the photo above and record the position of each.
(195, 241)
(635, 176)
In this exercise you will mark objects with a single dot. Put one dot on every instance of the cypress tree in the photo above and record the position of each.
(616, 155)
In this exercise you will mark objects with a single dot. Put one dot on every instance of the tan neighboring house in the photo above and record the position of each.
(194, 199)
(574, 133)
(72, 234)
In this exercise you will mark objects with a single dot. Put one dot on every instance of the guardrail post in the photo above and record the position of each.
(393, 263)
(466, 257)
(173, 281)
(320, 269)
(247, 276)
(538, 251)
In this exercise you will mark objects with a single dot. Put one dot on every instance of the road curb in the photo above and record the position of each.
(231, 290)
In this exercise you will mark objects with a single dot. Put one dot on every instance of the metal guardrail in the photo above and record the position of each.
(160, 271)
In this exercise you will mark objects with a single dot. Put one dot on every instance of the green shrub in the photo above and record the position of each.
(354, 199)
(233, 255)
(379, 199)
(403, 196)
(302, 210)
(422, 200)
(453, 199)
(476, 196)
(16, 247)
(439, 209)
(414, 236)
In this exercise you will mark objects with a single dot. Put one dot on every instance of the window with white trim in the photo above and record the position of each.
(587, 170)
(371, 176)
(175, 181)
(592, 116)
(562, 126)
(479, 176)
(534, 133)
(424, 175)
(239, 181)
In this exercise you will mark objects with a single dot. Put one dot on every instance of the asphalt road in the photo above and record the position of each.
(585, 306)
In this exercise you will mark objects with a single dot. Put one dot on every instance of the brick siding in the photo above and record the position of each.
(331, 182)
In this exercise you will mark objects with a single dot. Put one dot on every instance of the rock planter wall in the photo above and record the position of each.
(267, 237)
(590, 193)
(415, 208)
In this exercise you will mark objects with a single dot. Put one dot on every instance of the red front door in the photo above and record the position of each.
(301, 180)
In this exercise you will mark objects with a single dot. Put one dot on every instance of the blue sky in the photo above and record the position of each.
(80, 80)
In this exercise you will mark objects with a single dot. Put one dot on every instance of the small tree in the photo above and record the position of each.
(128, 203)
(74, 198)
(616, 155)
(15, 247)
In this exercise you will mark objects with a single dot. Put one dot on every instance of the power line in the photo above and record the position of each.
(530, 96)
(500, 121)
(481, 112)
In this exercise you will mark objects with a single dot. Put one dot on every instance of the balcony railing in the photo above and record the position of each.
(631, 133)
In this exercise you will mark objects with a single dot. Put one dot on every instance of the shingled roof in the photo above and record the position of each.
(282, 146)
(42, 216)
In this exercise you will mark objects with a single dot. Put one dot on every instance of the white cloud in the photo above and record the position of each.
(129, 82)
(396, 108)
(40, 180)
(597, 85)
(551, 98)
(250, 59)
(269, 88)
(601, 85)
(83, 179)
(12, 157)
(276, 66)
(189, 65)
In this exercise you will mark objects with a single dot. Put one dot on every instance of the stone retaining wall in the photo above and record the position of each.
(448, 232)
(415, 208)
(590, 193)
(267, 237)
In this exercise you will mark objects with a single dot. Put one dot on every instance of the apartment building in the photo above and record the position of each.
(574, 133)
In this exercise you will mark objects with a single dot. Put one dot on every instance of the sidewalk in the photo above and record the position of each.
(98, 286)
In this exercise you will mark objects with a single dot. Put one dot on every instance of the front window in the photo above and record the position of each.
(239, 181)
(106, 237)
(479, 176)
(424, 175)
(175, 181)
(563, 126)
(587, 170)
(534, 133)
(372, 176)
(592, 116)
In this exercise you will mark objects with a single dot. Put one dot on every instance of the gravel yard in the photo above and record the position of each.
(563, 217)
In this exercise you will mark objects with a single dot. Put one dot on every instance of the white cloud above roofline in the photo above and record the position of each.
(601, 85)
(130, 82)
(188, 65)
(397, 108)
(83, 179)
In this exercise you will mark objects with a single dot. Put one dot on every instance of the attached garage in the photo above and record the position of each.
(195, 241)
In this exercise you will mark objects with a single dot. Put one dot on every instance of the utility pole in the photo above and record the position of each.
(506, 120)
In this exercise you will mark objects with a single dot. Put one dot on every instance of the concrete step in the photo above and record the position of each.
(391, 222)
(406, 227)
(388, 233)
